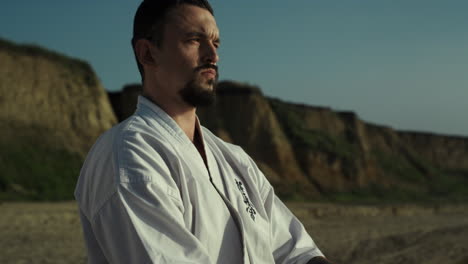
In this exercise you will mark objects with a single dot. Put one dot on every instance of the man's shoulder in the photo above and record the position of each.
(120, 155)
(122, 145)
(134, 130)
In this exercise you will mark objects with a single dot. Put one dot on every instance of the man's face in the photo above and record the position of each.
(186, 59)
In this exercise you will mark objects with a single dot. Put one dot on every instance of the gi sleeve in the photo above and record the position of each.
(140, 224)
(290, 241)
(142, 220)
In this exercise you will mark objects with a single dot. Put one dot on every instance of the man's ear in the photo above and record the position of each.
(144, 51)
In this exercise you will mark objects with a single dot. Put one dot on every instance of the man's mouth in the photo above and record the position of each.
(209, 72)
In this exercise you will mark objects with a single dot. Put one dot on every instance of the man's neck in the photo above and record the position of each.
(186, 119)
(186, 122)
(183, 114)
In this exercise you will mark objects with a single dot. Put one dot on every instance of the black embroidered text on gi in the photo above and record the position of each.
(250, 209)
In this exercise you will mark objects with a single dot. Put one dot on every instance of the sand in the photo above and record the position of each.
(51, 233)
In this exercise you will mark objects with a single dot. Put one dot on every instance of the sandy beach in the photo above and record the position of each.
(51, 233)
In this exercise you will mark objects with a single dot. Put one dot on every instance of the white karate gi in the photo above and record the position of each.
(146, 196)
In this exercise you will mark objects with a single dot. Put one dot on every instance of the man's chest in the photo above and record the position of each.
(219, 200)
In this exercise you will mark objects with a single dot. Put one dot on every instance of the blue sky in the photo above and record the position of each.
(400, 63)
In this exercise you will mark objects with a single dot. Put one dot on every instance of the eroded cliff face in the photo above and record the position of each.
(331, 147)
(345, 154)
(52, 109)
(312, 152)
(59, 95)
(243, 116)
(442, 151)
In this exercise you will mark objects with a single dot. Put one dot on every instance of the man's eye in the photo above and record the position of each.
(194, 40)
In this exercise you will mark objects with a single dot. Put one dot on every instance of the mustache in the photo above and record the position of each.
(207, 66)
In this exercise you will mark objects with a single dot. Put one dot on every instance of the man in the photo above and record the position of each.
(160, 188)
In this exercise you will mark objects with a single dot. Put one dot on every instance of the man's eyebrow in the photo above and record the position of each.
(200, 35)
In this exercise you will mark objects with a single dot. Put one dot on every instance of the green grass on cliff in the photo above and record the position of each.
(438, 183)
(313, 140)
(34, 171)
(401, 167)
(416, 181)
(449, 184)
(77, 66)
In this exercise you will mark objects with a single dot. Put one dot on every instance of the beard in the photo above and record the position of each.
(198, 92)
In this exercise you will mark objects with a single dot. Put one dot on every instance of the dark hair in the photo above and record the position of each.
(150, 19)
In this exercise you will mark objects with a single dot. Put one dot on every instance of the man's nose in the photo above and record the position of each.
(210, 54)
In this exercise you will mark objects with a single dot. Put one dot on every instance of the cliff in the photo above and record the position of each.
(315, 152)
(52, 108)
